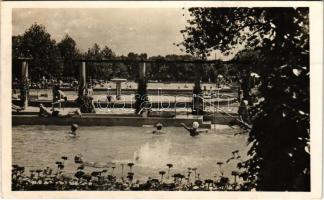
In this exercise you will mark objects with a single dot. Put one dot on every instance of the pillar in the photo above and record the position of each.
(24, 90)
(142, 69)
(82, 79)
(197, 92)
(118, 90)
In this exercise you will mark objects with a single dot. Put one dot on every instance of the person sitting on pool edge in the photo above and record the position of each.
(74, 127)
(58, 96)
(194, 129)
(45, 112)
(62, 98)
(158, 130)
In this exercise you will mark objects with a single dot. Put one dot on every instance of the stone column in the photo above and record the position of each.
(142, 70)
(118, 90)
(24, 91)
(141, 95)
(82, 79)
(197, 92)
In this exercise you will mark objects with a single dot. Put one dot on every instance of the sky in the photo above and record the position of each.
(140, 30)
(124, 30)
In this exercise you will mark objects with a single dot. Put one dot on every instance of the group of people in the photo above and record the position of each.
(46, 112)
(45, 83)
(59, 98)
(193, 130)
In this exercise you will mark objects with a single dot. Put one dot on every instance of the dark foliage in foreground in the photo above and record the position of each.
(280, 157)
(56, 179)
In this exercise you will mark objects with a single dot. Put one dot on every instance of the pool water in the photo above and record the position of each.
(37, 147)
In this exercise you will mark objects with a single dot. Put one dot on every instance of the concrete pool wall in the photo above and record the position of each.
(122, 104)
(106, 120)
(168, 118)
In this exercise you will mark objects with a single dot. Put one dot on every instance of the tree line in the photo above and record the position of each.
(55, 60)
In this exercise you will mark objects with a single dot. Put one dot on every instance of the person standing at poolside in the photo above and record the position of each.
(58, 96)
(89, 90)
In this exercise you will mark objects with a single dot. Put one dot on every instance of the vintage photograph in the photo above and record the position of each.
(161, 99)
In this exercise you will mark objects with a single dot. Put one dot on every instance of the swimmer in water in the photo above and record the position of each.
(194, 129)
(80, 160)
(158, 130)
(72, 133)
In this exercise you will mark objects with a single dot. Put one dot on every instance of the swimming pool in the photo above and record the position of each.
(37, 147)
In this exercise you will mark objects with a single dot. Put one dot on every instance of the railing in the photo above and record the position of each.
(223, 111)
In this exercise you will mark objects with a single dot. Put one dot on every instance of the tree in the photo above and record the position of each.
(69, 52)
(93, 53)
(99, 70)
(36, 42)
(280, 133)
(155, 68)
(16, 53)
(244, 63)
(132, 67)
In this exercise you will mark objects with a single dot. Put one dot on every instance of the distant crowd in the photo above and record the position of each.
(48, 83)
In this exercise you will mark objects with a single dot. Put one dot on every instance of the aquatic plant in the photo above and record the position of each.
(169, 165)
(79, 175)
(208, 182)
(81, 167)
(195, 172)
(220, 167)
(122, 170)
(98, 180)
(198, 176)
(112, 170)
(235, 174)
(130, 176)
(130, 165)
(162, 174)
